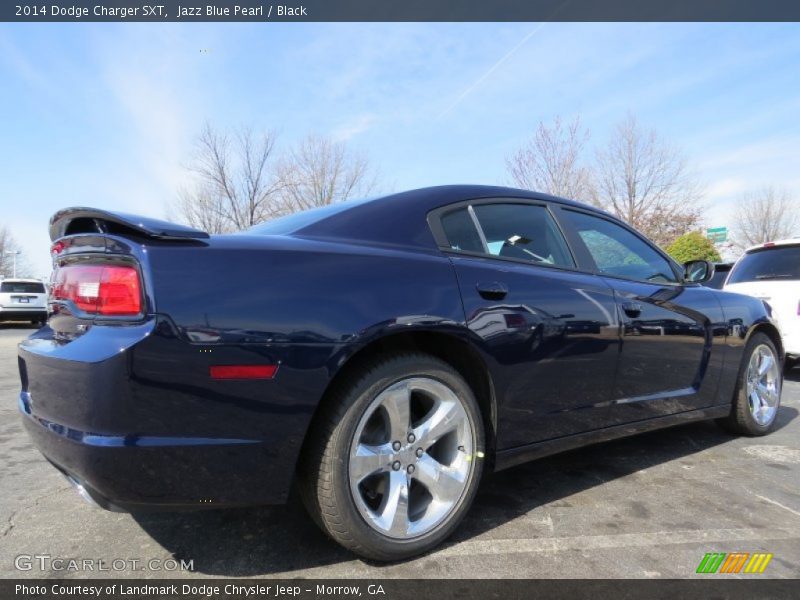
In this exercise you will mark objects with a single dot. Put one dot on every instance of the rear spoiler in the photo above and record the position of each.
(92, 220)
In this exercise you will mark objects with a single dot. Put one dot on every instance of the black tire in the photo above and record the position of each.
(323, 477)
(790, 364)
(741, 421)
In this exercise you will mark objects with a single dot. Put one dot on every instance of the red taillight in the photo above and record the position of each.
(112, 290)
(243, 371)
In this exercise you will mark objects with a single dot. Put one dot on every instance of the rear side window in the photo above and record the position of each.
(460, 231)
(618, 252)
(778, 262)
(21, 287)
(520, 231)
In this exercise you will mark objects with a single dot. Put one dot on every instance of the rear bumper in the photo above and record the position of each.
(23, 314)
(131, 472)
(132, 416)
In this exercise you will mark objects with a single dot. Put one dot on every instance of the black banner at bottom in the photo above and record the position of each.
(398, 589)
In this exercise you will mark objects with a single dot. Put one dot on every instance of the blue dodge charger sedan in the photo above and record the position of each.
(380, 355)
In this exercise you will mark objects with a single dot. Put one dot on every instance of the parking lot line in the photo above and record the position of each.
(621, 540)
(765, 499)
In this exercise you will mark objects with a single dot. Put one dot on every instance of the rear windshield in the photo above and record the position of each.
(21, 287)
(776, 263)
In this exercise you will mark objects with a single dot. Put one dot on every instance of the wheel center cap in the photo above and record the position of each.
(406, 456)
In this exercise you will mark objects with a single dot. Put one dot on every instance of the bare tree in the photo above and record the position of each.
(6, 245)
(765, 215)
(8, 255)
(320, 171)
(646, 182)
(203, 209)
(234, 187)
(552, 161)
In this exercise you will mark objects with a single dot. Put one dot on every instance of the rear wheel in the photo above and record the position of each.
(394, 462)
(758, 390)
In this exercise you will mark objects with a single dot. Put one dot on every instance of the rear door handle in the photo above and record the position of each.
(632, 309)
(493, 290)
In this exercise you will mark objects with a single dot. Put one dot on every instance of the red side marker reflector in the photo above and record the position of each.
(243, 371)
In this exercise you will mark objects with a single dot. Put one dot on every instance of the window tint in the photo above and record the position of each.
(777, 263)
(616, 251)
(522, 231)
(22, 287)
(460, 231)
(718, 279)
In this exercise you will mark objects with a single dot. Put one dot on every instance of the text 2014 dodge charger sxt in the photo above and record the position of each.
(380, 354)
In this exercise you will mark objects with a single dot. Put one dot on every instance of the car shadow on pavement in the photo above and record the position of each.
(282, 539)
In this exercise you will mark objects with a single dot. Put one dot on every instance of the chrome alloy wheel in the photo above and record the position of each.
(763, 384)
(411, 457)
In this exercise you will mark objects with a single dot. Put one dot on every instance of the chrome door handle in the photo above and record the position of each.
(632, 309)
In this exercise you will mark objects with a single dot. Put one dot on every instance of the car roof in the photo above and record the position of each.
(399, 219)
(787, 242)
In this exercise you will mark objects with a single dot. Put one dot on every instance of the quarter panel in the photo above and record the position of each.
(139, 396)
(287, 290)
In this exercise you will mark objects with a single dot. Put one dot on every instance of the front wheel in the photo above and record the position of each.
(758, 389)
(395, 459)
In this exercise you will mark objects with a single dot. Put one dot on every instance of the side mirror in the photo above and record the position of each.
(698, 271)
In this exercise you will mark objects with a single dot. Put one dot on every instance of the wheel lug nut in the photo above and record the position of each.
(396, 446)
(420, 452)
(410, 469)
(411, 438)
(396, 465)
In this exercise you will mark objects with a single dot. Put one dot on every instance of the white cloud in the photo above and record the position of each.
(152, 83)
(490, 70)
(20, 64)
(353, 127)
(726, 188)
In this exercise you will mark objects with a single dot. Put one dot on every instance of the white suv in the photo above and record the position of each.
(23, 300)
(771, 272)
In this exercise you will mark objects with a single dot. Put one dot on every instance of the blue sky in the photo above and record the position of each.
(105, 114)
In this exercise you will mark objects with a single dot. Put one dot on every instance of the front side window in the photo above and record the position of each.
(618, 252)
(520, 231)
